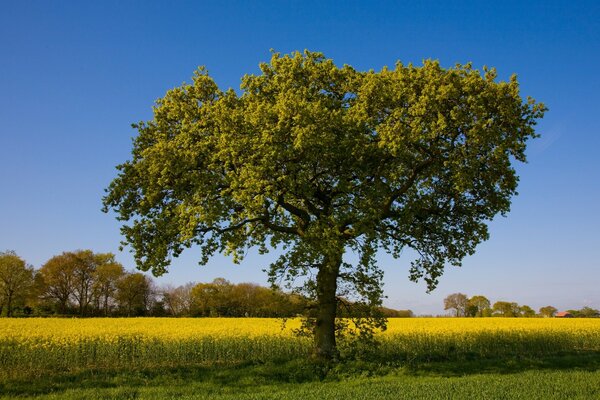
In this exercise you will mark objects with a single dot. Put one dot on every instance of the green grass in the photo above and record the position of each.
(567, 376)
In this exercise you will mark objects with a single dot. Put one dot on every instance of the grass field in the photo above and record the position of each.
(257, 358)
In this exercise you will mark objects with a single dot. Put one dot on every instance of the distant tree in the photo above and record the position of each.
(253, 300)
(478, 305)
(212, 299)
(106, 277)
(588, 312)
(134, 293)
(16, 279)
(506, 309)
(58, 281)
(548, 311)
(84, 267)
(526, 311)
(391, 313)
(178, 301)
(457, 302)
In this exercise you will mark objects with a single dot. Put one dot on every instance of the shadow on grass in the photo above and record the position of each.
(582, 360)
(244, 377)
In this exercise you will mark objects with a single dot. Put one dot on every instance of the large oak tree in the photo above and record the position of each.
(318, 160)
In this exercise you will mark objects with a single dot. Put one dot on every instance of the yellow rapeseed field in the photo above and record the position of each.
(37, 346)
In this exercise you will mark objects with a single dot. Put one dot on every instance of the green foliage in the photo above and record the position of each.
(585, 312)
(16, 282)
(588, 312)
(506, 309)
(548, 311)
(479, 306)
(317, 159)
(133, 294)
(526, 311)
(79, 280)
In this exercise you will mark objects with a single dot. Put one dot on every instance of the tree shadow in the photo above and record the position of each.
(576, 360)
(238, 377)
(245, 377)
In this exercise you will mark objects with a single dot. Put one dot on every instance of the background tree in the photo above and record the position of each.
(526, 311)
(548, 311)
(178, 301)
(134, 294)
(212, 299)
(479, 306)
(58, 281)
(457, 302)
(84, 268)
(106, 277)
(588, 312)
(320, 159)
(16, 279)
(506, 309)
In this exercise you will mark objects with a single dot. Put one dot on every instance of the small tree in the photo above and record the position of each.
(58, 281)
(134, 294)
(16, 279)
(319, 160)
(178, 301)
(457, 302)
(588, 312)
(84, 268)
(106, 278)
(548, 311)
(526, 311)
(506, 309)
(212, 299)
(479, 305)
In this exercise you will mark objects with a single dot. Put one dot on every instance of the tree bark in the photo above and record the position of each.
(325, 346)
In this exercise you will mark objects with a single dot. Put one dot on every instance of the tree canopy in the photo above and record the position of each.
(317, 160)
(16, 278)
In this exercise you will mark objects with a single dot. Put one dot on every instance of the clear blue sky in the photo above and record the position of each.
(75, 75)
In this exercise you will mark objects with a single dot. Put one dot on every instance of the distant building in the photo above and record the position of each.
(563, 314)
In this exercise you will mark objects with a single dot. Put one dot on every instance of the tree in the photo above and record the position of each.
(106, 277)
(84, 268)
(212, 299)
(548, 311)
(16, 278)
(134, 293)
(457, 302)
(506, 309)
(72, 278)
(526, 311)
(479, 305)
(178, 301)
(58, 280)
(588, 312)
(317, 160)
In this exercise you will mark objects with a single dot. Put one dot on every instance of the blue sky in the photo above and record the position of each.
(75, 75)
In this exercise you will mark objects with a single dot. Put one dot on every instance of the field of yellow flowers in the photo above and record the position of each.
(30, 347)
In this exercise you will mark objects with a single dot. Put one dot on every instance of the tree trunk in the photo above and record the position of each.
(325, 346)
(106, 305)
(9, 305)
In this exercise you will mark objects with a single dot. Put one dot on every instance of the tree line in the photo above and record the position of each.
(87, 284)
(480, 306)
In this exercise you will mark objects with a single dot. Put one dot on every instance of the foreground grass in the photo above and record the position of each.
(569, 376)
